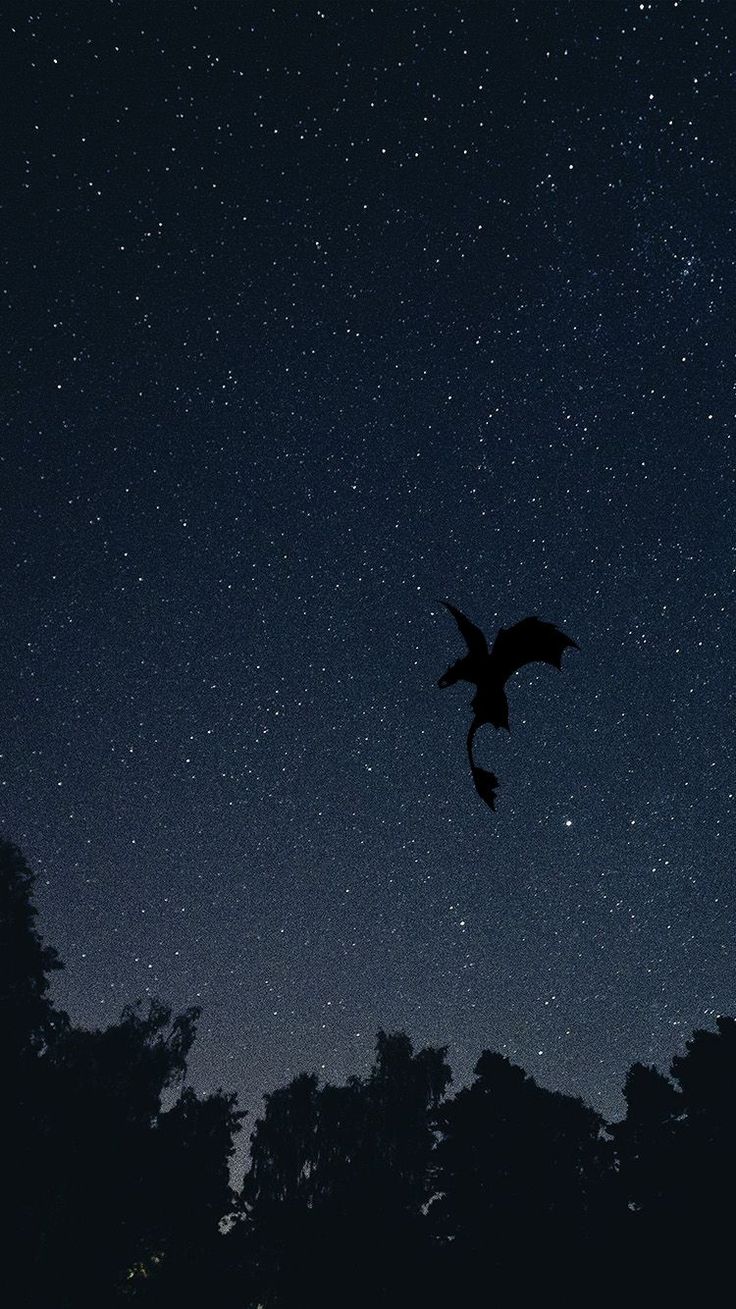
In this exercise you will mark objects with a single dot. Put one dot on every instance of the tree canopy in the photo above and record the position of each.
(388, 1190)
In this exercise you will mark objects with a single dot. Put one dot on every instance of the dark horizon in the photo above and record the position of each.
(391, 1189)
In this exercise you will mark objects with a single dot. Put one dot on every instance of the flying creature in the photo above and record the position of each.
(526, 642)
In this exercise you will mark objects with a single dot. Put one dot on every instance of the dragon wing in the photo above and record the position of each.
(528, 642)
(474, 638)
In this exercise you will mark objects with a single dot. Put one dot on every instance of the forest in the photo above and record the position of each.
(389, 1190)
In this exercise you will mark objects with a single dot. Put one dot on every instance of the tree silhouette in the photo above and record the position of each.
(190, 1175)
(518, 1168)
(645, 1144)
(28, 1021)
(105, 1195)
(338, 1179)
(676, 1152)
(116, 1190)
(706, 1134)
(29, 1028)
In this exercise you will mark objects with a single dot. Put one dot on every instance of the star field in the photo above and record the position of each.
(315, 316)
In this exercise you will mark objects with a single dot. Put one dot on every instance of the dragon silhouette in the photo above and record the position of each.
(529, 641)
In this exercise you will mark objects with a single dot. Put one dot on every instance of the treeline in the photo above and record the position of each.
(385, 1191)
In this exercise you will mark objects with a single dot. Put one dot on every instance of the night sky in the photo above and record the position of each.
(313, 317)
